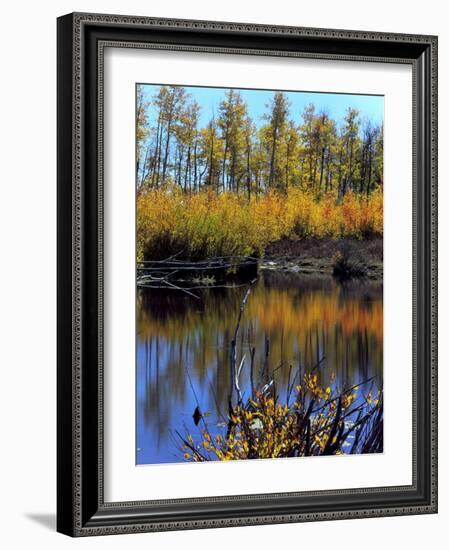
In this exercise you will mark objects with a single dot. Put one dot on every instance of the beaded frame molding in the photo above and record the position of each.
(82, 37)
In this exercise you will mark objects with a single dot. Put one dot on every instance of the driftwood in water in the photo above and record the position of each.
(176, 273)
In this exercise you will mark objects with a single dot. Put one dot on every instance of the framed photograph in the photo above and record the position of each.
(247, 278)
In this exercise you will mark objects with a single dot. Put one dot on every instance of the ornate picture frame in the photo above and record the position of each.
(81, 507)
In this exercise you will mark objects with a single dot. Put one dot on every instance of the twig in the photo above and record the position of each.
(237, 386)
(182, 289)
(197, 401)
(343, 393)
(233, 357)
(190, 446)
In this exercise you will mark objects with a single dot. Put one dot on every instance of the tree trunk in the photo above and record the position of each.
(167, 148)
(321, 168)
(273, 158)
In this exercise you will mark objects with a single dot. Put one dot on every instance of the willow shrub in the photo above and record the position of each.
(320, 421)
(207, 224)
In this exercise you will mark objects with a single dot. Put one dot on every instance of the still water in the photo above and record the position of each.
(291, 323)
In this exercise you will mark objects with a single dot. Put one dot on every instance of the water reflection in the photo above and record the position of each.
(183, 347)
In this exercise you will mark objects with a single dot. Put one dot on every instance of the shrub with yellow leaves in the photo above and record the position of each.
(320, 421)
(207, 224)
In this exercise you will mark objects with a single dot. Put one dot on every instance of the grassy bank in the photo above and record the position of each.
(203, 225)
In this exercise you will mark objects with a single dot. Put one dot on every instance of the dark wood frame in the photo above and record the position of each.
(81, 509)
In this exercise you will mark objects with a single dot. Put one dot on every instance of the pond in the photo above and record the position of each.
(290, 324)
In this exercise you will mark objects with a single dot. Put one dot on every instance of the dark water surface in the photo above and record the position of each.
(183, 348)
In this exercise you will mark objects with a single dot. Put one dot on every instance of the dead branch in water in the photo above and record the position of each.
(173, 273)
(233, 357)
(215, 260)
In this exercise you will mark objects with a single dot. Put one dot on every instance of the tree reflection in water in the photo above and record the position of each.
(290, 319)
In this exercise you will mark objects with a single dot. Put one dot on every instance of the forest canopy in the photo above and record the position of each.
(237, 152)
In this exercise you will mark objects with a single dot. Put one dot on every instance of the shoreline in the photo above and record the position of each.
(313, 255)
(362, 259)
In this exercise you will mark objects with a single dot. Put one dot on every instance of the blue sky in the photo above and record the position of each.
(371, 107)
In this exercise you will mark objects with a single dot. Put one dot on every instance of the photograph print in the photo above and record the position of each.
(259, 274)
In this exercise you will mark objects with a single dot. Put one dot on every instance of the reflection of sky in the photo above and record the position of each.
(371, 107)
(157, 441)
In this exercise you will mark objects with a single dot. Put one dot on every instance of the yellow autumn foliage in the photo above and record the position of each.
(207, 224)
(319, 422)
